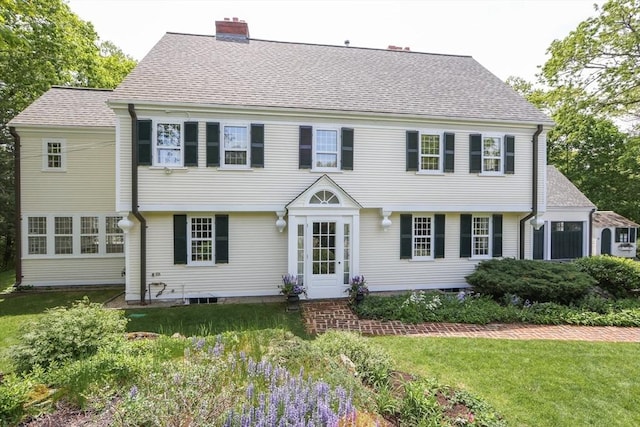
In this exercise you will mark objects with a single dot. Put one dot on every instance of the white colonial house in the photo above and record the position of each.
(223, 162)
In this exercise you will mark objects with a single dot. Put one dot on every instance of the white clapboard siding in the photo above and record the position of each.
(257, 260)
(73, 271)
(87, 185)
(379, 177)
(384, 270)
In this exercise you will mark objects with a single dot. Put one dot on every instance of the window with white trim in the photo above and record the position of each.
(63, 235)
(114, 235)
(235, 146)
(89, 235)
(200, 245)
(73, 235)
(491, 154)
(430, 152)
(54, 155)
(324, 197)
(422, 237)
(37, 235)
(480, 236)
(168, 144)
(326, 150)
(625, 235)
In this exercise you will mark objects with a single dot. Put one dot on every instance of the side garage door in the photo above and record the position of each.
(566, 240)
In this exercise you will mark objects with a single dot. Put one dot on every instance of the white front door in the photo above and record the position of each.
(327, 256)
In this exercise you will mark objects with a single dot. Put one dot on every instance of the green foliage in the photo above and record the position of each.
(589, 311)
(530, 280)
(14, 394)
(43, 43)
(65, 334)
(372, 363)
(617, 276)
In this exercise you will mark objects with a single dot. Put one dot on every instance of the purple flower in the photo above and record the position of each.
(133, 392)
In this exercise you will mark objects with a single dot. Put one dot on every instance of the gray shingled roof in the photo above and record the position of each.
(611, 219)
(561, 193)
(183, 68)
(68, 106)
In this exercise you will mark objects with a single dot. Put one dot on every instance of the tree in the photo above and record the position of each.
(43, 43)
(600, 58)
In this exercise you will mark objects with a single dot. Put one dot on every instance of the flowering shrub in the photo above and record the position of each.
(357, 286)
(290, 286)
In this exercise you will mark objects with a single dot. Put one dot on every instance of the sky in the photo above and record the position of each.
(508, 37)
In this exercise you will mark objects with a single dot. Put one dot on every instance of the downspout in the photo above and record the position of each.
(534, 189)
(134, 203)
(590, 239)
(18, 209)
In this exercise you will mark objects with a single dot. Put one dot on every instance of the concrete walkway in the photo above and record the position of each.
(322, 316)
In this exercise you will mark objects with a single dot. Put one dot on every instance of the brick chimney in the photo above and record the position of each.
(232, 30)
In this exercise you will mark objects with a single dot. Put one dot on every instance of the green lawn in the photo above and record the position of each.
(534, 383)
(211, 319)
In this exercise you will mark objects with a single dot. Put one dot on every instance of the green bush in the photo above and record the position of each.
(64, 334)
(531, 280)
(14, 394)
(372, 363)
(617, 276)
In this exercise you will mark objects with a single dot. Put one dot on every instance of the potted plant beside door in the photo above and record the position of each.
(357, 289)
(292, 290)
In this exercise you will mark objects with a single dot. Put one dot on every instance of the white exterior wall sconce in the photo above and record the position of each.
(386, 222)
(280, 222)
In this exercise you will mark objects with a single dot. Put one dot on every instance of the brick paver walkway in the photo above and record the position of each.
(322, 316)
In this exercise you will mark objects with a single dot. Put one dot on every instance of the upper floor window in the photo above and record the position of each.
(54, 155)
(168, 144)
(326, 153)
(491, 154)
(236, 146)
(326, 149)
(430, 151)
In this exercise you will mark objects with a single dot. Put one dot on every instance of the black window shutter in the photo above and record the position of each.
(213, 144)
(179, 239)
(497, 236)
(191, 144)
(475, 153)
(439, 235)
(509, 154)
(406, 236)
(257, 146)
(538, 243)
(222, 239)
(449, 151)
(305, 147)
(465, 236)
(347, 149)
(144, 142)
(412, 150)
(632, 237)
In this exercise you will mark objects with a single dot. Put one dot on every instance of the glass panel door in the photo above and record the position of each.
(324, 248)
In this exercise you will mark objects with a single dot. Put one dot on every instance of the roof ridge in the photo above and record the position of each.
(329, 45)
(81, 88)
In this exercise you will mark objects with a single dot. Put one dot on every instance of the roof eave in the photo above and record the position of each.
(288, 111)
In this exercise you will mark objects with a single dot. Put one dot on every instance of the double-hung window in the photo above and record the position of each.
(491, 154)
(54, 155)
(480, 235)
(326, 154)
(114, 237)
(89, 235)
(63, 237)
(422, 236)
(235, 146)
(169, 144)
(37, 235)
(325, 148)
(430, 151)
(200, 240)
